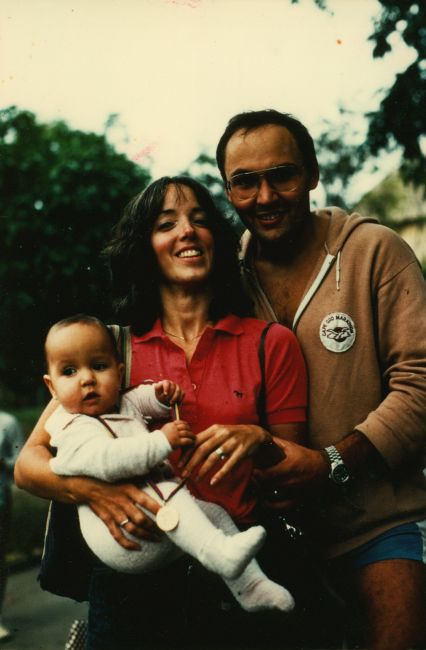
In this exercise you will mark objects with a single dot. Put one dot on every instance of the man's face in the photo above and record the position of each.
(270, 215)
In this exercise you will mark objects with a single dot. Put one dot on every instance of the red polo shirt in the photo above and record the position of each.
(221, 385)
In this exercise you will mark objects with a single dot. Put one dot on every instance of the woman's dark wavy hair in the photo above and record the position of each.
(133, 265)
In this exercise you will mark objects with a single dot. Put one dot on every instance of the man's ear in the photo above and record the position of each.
(47, 380)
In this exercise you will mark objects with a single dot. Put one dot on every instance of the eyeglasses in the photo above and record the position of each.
(282, 178)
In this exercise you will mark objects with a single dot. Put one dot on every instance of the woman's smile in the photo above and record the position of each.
(190, 252)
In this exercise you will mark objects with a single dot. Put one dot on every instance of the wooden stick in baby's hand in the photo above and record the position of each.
(177, 415)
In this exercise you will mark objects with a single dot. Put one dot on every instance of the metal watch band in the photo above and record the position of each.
(333, 454)
(338, 470)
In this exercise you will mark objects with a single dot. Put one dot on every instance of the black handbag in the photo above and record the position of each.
(67, 561)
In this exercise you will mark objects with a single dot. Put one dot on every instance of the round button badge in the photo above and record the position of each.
(337, 332)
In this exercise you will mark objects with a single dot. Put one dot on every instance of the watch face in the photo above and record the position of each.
(340, 474)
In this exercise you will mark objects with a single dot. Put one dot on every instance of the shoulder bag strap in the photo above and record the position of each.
(270, 453)
(124, 343)
(261, 397)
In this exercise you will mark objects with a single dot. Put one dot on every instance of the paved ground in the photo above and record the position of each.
(39, 620)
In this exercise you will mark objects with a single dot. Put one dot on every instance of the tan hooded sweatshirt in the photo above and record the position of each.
(362, 328)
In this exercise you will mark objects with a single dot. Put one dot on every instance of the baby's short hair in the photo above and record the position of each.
(85, 319)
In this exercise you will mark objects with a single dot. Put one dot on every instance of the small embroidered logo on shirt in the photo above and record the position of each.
(337, 332)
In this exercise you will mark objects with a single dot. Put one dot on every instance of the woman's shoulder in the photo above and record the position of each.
(280, 344)
(258, 324)
(275, 331)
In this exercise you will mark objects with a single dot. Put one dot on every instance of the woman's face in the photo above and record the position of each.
(181, 239)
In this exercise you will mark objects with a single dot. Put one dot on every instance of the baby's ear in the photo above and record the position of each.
(47, 380)
(121, 371)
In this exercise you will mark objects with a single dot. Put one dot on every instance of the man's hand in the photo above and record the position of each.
(301, 473)
(224, 444)
(168, 393)
(178, 434)
(116, 502)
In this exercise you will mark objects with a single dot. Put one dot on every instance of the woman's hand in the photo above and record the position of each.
(230, 442)
(115, 503)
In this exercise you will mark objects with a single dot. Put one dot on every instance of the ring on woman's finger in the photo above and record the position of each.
(219, 452)
(124, 522)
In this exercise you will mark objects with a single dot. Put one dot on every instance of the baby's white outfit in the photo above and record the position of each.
(86, 447)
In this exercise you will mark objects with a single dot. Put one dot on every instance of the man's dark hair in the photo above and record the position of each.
(250, 120)
(85, 319)
(133, 265)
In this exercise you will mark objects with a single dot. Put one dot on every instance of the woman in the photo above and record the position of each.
(176, 281)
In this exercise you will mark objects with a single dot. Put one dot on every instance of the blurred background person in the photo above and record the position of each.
(11, 440)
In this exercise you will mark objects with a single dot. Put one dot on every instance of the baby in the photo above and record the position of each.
(101, 434)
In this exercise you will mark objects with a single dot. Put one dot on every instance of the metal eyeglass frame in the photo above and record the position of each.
(262, 173)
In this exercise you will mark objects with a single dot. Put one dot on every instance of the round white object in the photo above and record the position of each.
(167, 518)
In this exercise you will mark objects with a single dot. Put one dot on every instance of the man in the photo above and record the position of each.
(352, 291)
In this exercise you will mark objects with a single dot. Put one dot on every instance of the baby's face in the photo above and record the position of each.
(84, 374)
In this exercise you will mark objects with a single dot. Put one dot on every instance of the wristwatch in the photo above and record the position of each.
(338, 470)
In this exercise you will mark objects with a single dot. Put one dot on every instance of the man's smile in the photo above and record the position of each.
(272, 215)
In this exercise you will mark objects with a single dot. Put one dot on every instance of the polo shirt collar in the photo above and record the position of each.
(230, 324)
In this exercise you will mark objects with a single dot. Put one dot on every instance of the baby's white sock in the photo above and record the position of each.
(252, 588)
(255, 591)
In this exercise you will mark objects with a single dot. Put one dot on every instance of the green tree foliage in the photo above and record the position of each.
(341, 154)
(401, 117)
(62, 190)
(400, 120)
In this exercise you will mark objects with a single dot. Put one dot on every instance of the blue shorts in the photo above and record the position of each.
(405, 542)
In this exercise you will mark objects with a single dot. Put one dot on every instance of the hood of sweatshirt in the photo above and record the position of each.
(340, 228)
